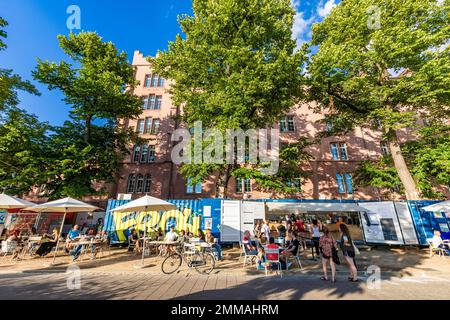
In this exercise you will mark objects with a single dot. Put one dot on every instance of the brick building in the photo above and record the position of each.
(149, 168)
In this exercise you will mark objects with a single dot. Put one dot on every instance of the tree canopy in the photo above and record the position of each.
(235, 67)
(383, 62)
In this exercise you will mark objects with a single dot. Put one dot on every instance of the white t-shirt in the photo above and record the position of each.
(315, 232)
(436, 241)
(171, 236)
(265, 230)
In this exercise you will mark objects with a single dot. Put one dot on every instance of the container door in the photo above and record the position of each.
(380, 223)
(406, 223)
(231, 221)
(251, 211)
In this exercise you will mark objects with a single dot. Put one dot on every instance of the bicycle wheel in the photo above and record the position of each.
(171, 263)
(204, 263)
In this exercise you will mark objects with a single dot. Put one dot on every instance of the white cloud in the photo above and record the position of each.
(301, 30)
(324, 9)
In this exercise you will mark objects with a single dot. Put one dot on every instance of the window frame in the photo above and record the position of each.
(151, 150)
(193, 189)
(140, 123)
(155, 130)
(147, 182)
(131, 183)
(136, 153)
(147, 84)
(144, 154)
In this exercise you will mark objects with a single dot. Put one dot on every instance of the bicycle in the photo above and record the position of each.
(202, 262)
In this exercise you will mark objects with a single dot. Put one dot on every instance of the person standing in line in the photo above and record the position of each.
(326, 245)
(315, 237)
(348, 250)
(257, 230)
(265, 230)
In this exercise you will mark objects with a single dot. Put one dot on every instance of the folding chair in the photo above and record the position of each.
(272, 261)
(246, 255)
(8, 247)
(433, 250)
(295, 258)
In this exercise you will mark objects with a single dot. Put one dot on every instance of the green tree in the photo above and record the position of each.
(429, 158)
(236, 67)
(378, 174)
(99, 88)
(23, 139)
(100, 83)
(383, 62)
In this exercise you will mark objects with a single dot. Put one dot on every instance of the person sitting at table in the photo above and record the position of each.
(73, 234)
(214, 246)
(438, 243)
(171, 235)
(201, 235)
(133, 241)
(183, 238)
(272, 256)
(16, 237)
(48, 243)
(252, 249)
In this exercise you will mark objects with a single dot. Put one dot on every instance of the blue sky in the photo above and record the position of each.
(132, 25)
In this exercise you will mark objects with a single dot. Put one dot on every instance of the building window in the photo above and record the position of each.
(243, 185)
(345, 183)
(155, 126)
(147, 80)
(384, 148)
(147, 183)
(152, 102)
(144, 154)
(197, 188)
(247, 185)
(343, 149)
(145, 103)
(158, 102)
(339, 151)
(139, 183)
(140, 126)
(295, 183)
(161, 82)
(151, 153)
(287, 124)
(136, 153)
(155, 80)
(148, 125)
(131, 183)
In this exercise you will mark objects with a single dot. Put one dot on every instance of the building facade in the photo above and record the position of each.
(149, 169)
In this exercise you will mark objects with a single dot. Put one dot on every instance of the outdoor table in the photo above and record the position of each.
(84, 245)
(27, 246)
(148, 241)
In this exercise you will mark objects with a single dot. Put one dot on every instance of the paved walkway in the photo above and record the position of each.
(405, 274)
(151, 286)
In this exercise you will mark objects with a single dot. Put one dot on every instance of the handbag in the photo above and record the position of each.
(335, 256)
(355, 249)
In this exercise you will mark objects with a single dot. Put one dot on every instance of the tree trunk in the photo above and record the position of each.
(222, 183)
(87, 133)
(412, 193)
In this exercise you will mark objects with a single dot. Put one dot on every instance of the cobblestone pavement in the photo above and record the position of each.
(186, 286)
(405, 274)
